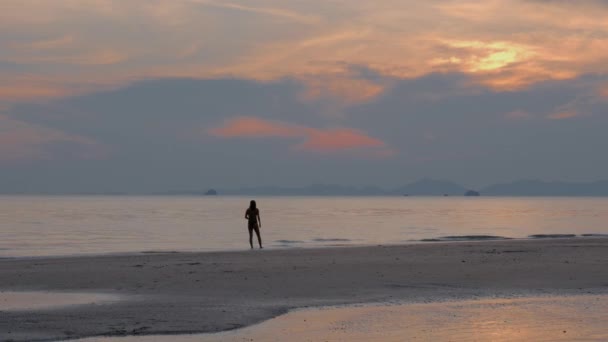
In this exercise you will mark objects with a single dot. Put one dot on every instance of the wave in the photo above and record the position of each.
(330, 240)
(467, 238)
(551, 236)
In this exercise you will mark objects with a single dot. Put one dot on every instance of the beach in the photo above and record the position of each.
(178, 293)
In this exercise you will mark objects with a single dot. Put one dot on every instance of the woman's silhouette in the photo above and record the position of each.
(253, 222)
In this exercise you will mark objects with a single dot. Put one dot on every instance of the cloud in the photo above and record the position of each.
(430, 126)
(41, 87)
(563, 115)
(19, 92)
(88, 58)
(276, 12)
(603, 91)
(47, 44)
(489, 56)
(504, 45)
(336, 140)
(249, 127)
(315, 140)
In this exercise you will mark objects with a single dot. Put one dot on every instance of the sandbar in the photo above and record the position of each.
(179, 293)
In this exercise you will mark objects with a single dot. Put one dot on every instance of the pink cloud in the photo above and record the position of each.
(338, 139)
(603, 91)
(314, 139)
(563, 115)
(253, 127)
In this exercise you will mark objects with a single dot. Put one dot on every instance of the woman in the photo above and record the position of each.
(253, 223)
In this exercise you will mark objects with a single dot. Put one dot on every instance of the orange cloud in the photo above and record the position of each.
(98, 57)
(14, 92)
(501, 44)
(603, 91)
(277, 12)
(563, 115)
(47, 44)
(16, 88)
(315, 140)
(338, 140)
(249, 127)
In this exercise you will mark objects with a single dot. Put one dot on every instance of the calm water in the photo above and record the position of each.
(43, 225)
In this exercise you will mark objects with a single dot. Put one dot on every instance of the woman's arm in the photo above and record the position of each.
(259, 220)
(247, 214)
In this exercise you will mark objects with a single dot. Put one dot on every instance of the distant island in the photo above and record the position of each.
(211, 192)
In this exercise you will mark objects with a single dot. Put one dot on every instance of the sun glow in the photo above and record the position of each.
(482, 56)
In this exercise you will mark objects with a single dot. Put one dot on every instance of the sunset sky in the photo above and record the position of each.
(153, 95)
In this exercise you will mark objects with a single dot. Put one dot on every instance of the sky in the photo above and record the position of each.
(158, 95)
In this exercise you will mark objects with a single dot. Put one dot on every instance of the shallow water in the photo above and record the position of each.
(61, 225)
(526, 319)
(41, 300)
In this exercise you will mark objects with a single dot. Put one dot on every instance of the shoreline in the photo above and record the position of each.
(199, 292)
(426, 241)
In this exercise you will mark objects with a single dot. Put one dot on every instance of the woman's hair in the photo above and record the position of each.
(252, 205)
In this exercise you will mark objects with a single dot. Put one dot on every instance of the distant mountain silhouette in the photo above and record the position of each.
(311, 190)
(423, 187)
(543, 188)
(430, 187)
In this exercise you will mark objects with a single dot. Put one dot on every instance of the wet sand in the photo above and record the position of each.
(41, 300)
(208, 292)
(566, 318)
(563, 318)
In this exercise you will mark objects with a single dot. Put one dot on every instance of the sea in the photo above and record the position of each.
(35, 226)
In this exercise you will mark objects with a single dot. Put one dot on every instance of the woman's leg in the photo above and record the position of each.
(251, 237)
(257, 232)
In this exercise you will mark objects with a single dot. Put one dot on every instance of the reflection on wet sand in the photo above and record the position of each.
(525, 319)
(39, 300)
